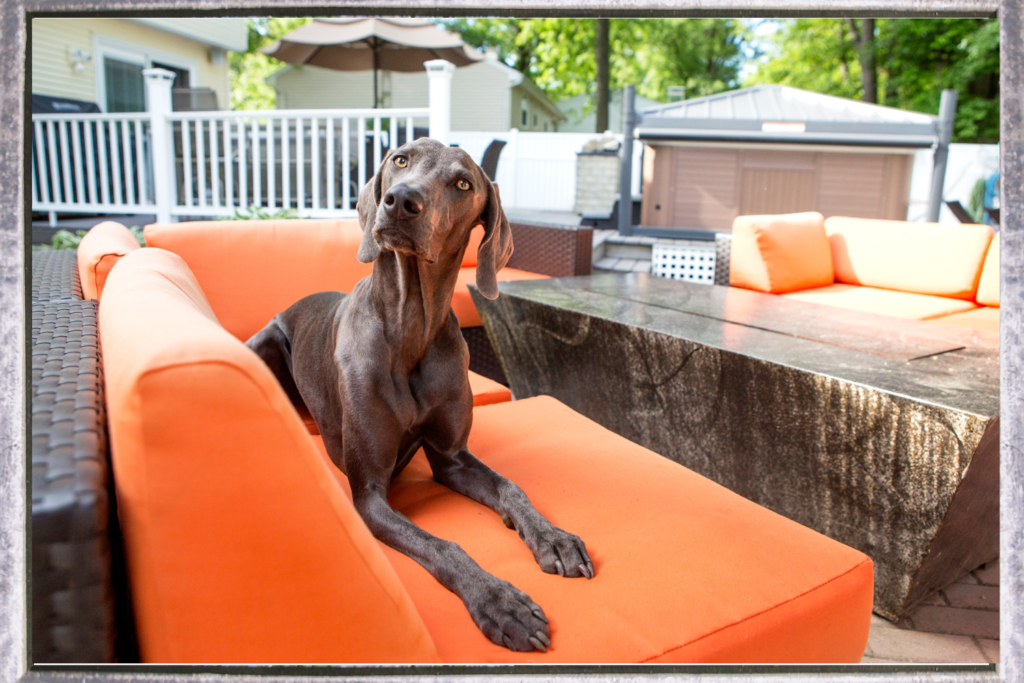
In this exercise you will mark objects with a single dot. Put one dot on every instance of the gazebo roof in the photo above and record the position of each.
(780, 113)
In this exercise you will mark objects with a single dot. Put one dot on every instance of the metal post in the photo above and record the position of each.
(626, 174)
(158, 103)
(947, 113)
(439, 73)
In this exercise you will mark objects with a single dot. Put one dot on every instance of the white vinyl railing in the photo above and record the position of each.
(207, 164)
(92, 163)
(310, 161)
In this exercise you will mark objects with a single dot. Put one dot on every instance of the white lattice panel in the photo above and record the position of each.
(690, 262)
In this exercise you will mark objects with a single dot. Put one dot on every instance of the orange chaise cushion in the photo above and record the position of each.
(988, 285)
(252, 270)
(687, 571)
(462, 302)
(778, 254)
(883, 301)
(923, 258)
(103, 246)
(241, 546)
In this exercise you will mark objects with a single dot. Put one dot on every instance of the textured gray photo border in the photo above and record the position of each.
(14, 274)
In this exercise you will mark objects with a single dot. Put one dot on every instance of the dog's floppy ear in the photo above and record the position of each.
(366, 207)
(496, 246)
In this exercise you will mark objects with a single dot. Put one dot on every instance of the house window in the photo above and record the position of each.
(545, 125)
(524, 112)
(535, 119)
(121, 85)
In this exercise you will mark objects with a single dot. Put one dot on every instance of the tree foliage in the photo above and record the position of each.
(249, 69)
(703, 55)
(915, 60)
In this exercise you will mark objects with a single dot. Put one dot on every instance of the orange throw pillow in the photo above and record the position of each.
(782, 253)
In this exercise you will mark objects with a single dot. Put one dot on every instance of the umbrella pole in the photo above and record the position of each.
(376, 55)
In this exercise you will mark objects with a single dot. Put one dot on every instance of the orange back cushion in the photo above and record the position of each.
(780, 253)
(241, 546)
(99, 250)
(923, 258)
(988, 285)
(253, 270)
(475, 238)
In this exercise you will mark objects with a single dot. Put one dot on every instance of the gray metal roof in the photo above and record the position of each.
(780, 113)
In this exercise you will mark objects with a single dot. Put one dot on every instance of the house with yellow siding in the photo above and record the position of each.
(486, 96)
(101, 60)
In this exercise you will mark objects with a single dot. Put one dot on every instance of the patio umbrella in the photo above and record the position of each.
(363, 43)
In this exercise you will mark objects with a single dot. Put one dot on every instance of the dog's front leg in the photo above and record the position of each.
(557, 551)
(505, 614)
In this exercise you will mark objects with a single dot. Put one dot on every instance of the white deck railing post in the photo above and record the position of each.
(439, 73)
(158, 103)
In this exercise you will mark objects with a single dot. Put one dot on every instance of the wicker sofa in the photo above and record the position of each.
(242, 544)
(948, 274)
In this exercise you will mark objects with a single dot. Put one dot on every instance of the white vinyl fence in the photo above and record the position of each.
(537, 171)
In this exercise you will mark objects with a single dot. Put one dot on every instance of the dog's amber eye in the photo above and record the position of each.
(401, 162)
(462, 185)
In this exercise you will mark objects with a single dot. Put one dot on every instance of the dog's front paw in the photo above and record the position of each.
(562, 553)
(508, 617)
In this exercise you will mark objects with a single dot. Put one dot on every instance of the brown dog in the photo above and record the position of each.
(383, 372)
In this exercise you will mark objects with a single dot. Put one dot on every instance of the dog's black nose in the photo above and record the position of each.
(403, 201)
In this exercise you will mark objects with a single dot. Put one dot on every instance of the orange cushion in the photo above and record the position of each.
(462, 302)
(985, 319)
(241, 547)
(924, 258)
(476, 236)
(780, 253)
(988, 285)
(883, 301)
(99, 250)
(252, 270)
(687, 571)
(487, 391)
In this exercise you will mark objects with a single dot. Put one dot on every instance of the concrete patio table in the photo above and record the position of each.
(879, 432)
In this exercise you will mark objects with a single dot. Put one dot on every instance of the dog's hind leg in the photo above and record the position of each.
(272, 346)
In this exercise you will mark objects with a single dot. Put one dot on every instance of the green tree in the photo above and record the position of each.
(915, 60)
(249, 69)
(559, 55)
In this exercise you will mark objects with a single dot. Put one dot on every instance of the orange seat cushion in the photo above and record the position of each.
(476, 236)
(985, 319)
(988, 285)
(252, 270)
(240, 545)
(462, 302)
(103, 246)
(687, 571)
(883, 301)
(782, 253)
(487, 391)
(923, 258)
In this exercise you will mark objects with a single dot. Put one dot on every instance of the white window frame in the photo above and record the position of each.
(105, 46)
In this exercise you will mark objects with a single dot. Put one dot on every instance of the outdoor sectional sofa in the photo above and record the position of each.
(242, 544)
(948, 274)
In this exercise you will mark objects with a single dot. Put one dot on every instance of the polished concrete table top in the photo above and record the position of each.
(861, 426)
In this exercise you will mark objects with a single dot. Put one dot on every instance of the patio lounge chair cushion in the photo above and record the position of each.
(475, 238)
(985, 319)
(103, 246)
(988, 285)
(252, 270)
(923, 258)
(462, 302)
(779, 254)
(883, 301)
(240, 545)
(687, 571)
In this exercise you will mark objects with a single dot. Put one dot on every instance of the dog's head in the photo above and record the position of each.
(424, 200)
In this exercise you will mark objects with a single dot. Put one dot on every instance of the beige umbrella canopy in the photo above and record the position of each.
(364, 43)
